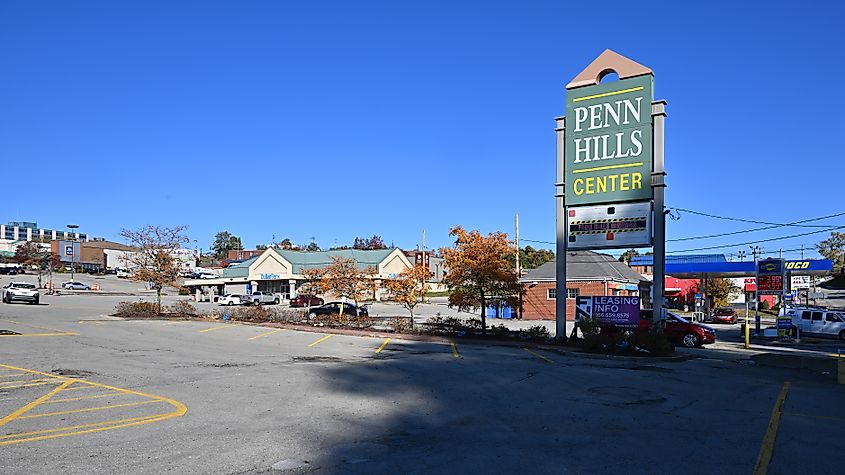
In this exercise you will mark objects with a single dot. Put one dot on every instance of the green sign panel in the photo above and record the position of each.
(609, 142)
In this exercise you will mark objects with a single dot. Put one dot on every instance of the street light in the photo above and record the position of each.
(72, 248)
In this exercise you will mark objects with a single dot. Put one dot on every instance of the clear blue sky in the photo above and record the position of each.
(344, 119)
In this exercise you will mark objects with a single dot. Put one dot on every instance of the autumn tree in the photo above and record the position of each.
(224, 241)
(30, 253)
(312, 283)
(343, 278)
(372, 243)
(833, 248)
(409, 287)
(721, 290)
(479, 270)
(286, 244)
(154, 261)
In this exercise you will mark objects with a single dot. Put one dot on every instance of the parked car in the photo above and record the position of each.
(9, 270)
(818, 322)
(258, 298)
(206, 275)
(681, 331)
(123, 273)
(724, 315)
(23, 291)
(333, 308)
(76, 286)
(232, 299)
(305, 300)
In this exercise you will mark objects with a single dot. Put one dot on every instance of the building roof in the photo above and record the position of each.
(315, 259)
(106, 245)
(648, 260)
(586, 265)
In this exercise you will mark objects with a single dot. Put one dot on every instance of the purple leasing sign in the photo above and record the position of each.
(617, 311)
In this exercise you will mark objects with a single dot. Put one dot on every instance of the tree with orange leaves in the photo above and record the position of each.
(409, 287)
(478, 270)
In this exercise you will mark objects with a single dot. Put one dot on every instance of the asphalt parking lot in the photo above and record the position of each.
(81, 392)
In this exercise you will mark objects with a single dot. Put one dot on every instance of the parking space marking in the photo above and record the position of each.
(768, 445)
(4, 383)
(29, 385)
(321, 340)
(538, 355)
(173, 323)
(40, 334)
(455, 351)
(91, 322)
(51, 330)
(13, 375)
(63, 382)
(386, 341)
(267, 333)
(215, 328)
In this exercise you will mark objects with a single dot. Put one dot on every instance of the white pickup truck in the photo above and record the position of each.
(258, 298)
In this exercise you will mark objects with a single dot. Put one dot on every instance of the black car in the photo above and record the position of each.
(333, 308)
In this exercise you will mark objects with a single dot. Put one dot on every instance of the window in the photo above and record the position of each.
(551, 294)
(817, 316)
(573, 293)
(833, 317)
(805, 315)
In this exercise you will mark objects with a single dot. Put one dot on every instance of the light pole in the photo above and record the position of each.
(72, 249)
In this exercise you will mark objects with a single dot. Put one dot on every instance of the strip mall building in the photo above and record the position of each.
(280, 270)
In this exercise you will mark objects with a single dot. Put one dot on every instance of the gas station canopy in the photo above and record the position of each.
(716, 265)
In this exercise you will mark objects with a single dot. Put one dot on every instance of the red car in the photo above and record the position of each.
(724, 315)
(305, 301)
(681, 331)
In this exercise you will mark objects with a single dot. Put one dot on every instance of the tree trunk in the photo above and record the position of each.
(483, 314)
(411, 310)
(158, 299)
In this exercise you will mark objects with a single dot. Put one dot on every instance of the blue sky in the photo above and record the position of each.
(344, 119)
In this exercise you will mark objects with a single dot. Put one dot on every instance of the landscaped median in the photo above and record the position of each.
(595, 341)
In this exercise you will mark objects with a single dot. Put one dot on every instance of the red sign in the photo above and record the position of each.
(770, 284)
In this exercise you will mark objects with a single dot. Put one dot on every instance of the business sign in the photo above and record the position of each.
(770, 277)
(612, 311)
(784, 326)
(799, 281)
(270, 276)
(608, 227)
(68, 250)
(609, 142)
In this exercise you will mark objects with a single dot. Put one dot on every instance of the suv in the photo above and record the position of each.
(21, 291)
(259, 298)
(818, 322)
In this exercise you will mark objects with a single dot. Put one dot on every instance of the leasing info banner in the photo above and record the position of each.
(609, 142)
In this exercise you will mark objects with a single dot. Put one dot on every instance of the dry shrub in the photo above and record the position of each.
(401, 324)
(136, 310)
(536, 332)
(182, 308)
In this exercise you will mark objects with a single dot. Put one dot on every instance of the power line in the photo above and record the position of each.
(728, 218)
(756, 242)
(795, 223)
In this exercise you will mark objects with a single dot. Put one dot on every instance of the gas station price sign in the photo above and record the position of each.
(770, 284)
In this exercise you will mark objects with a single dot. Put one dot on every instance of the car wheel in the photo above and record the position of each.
(276, 301)
(230, 303)
(690, 340)
(34, 302)
(842, 335)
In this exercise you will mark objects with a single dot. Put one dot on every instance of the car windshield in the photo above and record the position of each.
(24, 286)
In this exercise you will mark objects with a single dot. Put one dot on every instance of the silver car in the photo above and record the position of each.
(819, 322)
(21, 291)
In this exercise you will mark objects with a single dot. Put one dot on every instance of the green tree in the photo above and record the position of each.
(372, 243)
(260, 247)
(722, 291)
(224, 241)
(479, 270)
(833, 248)
(286, 244)
(530, 258)
(628, 255)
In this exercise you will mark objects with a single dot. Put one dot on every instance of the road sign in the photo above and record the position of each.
(611, 310)
(614, 226)
(609, 142)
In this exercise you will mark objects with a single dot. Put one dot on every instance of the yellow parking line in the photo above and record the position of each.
(88, 409)
(386, 341)
(538, 355)
(33, 326)
(3, 383)
(455, 351)
(54, 401)
(768, 445)
(18, 413)
(214, 328)
(321, 340)
(60, 429)
(30, 385)
(172, 323)
(267, 333)
(91, 322)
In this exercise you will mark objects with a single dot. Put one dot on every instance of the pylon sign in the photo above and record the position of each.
(609, 226)
(609, 142)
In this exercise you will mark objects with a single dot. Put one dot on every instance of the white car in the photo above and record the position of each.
(231, 299)
(123, 274)
(21, 291)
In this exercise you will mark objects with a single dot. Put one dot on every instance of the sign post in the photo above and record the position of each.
(610, 175)
(770, 281)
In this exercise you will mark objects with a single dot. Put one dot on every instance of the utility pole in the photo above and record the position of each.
(781, 253)
(802, 252)
(72, 249)
(518, 274)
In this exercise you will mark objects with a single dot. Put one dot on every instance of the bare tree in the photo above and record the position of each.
(153, 259)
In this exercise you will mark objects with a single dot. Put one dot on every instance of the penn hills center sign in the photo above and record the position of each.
(608, 142)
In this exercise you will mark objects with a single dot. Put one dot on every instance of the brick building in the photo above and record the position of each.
(587, 274)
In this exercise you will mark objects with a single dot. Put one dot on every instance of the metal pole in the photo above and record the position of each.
(518, 273)
(658, 184)
(560, 250)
